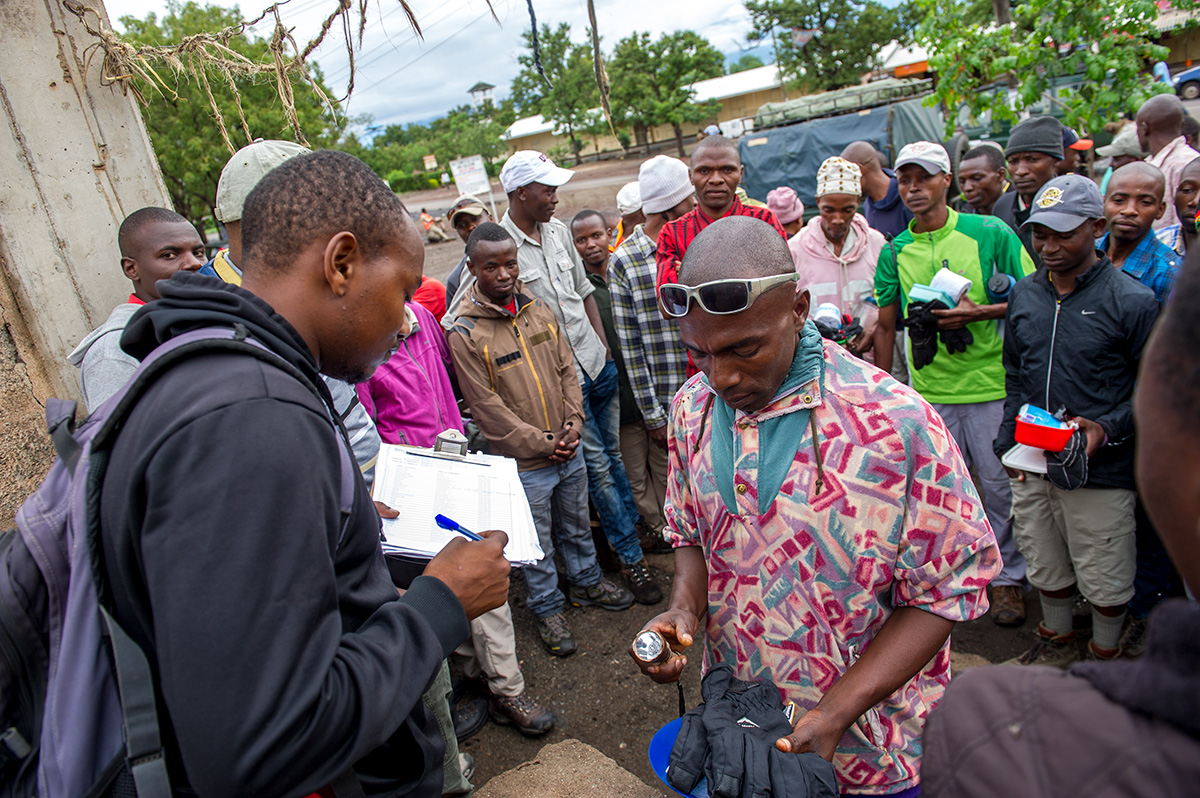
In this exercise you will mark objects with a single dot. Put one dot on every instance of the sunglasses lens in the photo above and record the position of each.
(674, 299)
(725, 297)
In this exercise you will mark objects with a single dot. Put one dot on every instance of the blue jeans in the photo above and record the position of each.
(558, 499)
(608, 483)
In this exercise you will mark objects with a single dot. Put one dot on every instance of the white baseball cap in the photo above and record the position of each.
(249, 165)
(529, 166)
(929, 155)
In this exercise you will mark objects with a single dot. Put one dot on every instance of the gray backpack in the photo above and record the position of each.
(78, 713)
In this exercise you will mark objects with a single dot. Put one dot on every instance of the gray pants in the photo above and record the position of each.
(974, 428)
(437, 698)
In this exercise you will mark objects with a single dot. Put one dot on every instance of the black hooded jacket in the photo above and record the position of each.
(1080, 352)
(281, 657)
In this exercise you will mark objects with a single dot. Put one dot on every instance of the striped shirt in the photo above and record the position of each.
(656, 361)
(678, 235)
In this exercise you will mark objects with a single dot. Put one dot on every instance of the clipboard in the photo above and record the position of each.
(479, 491)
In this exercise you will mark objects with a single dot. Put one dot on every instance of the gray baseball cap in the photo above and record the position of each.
(243, 171)
(1065, 203)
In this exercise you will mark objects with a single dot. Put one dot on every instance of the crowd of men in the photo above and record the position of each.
(823, 447)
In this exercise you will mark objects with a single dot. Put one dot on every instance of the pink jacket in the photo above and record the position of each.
(410, 396)
(847, 281)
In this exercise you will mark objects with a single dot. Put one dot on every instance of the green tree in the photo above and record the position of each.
(651, 81)
(571, 92)
(747, 61)
(848, 39)
(186, 138)
(1106, 43)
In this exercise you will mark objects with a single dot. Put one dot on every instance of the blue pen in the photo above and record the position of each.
(454, 526)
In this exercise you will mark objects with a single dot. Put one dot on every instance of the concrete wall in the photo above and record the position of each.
(75, 159)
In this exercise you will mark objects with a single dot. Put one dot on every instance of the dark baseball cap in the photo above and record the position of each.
(1065, 203)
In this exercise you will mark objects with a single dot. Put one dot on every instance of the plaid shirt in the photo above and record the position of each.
(1172, 238)
(1152, 263)
(655, 359)
(678, 235)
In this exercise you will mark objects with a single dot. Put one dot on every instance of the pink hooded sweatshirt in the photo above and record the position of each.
(848, 280)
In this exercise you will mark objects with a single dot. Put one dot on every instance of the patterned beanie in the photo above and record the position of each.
(839, 176)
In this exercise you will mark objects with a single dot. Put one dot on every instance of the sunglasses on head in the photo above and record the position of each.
(719, 297)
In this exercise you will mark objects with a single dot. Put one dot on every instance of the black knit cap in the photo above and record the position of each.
(1037, 134)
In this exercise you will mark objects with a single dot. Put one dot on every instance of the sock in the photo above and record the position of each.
(1056, 614)
(1106, 631)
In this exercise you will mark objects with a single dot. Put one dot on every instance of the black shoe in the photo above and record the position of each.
(556, 635)
(642, 584)
(469, 714)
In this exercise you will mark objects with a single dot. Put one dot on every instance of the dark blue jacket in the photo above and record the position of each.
(1079, 352)
(889, 216)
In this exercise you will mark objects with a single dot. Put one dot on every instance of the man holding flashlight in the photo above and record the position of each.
(825, 526)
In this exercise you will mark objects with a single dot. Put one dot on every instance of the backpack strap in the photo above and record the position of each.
(144, 751)
(60, 421)
(209, 340)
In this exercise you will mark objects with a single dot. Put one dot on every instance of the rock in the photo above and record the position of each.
(962, 661)
(567, 768)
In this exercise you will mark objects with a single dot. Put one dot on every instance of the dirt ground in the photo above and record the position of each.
(598, 695)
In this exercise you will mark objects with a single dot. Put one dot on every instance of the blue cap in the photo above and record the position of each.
(1065, 203)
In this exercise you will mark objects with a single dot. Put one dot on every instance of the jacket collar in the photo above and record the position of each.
(1102, 268)
(942, 232)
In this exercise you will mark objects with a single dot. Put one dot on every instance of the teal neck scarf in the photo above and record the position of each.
(780, 437)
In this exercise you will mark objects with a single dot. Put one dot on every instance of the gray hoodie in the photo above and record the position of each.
(103, 366)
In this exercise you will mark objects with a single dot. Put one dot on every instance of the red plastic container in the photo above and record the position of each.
(1049, 438)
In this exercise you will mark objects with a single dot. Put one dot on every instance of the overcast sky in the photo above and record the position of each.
(401, 79)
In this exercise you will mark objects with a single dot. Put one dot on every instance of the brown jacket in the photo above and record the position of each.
(518, 375)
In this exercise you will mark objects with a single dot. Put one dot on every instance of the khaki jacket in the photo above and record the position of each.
(517, 373)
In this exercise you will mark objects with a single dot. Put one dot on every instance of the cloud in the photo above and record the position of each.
(401, 79)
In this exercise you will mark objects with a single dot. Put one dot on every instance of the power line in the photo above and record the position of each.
(435, 47)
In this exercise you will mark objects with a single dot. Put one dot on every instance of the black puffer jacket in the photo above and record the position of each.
(1080, 352)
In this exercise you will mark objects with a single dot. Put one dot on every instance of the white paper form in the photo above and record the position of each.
(479, 493)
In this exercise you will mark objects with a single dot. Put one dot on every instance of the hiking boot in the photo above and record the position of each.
(1133, 642)
(1008, 605)
(556, 635)
(530, 718)
(652, 541)
(1096, 654)
(1056, 651)
(642, 584)
(602, 594)
(469, 714)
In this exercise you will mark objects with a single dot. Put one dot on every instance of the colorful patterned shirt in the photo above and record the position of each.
(678, 235)
(885, 516)
(657, 361)
(1152, 263)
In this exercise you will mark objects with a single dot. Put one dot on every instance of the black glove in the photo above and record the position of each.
(851, 329)
(690, 752)
(742, 721)
(956, 341)
(1068, 469)
(828, 331)
(923, 331)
